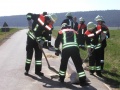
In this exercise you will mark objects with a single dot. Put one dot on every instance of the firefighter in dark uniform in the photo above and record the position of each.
(105, 34)
(69, 20)
(47, 44)
(37, 24)
(81, 30)
(92, 36)
(76, 23)
(45, 33)
(68, 38)
(50, 47)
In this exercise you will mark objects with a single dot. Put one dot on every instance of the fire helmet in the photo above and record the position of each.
(90, 26)
(81, 19)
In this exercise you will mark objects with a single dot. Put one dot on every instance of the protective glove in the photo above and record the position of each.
(57, 52)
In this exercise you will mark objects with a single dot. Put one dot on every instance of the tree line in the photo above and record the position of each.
(111, 18)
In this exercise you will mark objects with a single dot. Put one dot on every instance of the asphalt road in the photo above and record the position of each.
(12, 64)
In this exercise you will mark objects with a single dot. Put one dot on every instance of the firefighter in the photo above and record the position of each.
(105, 34)
(50, 47)
(70, 48)
(47, 44)
(69, 20)
(45, 34)
(81, 30)
(92, 36)
(76, 23)
(38, 23)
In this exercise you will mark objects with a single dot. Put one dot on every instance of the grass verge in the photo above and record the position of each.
(5, 35)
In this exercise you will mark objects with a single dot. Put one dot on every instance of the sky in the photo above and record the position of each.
(22, 7)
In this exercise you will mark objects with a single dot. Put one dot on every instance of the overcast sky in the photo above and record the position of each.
(20, 7)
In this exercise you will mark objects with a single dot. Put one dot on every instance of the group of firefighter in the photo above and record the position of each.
(72, 35)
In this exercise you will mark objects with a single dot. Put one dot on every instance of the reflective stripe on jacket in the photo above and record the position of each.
(93, 39)
(68, 37)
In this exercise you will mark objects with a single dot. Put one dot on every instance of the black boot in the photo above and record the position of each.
(92, 72)
(39, 73)
(50, 45)
(99, 73)
(26, 73)
(61, 79)
(83, 82)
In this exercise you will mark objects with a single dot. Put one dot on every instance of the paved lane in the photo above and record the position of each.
(12, 63)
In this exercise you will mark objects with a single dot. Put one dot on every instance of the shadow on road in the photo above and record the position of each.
(49, 83)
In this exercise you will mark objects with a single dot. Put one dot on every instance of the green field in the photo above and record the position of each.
(4, 35)
(112, 59)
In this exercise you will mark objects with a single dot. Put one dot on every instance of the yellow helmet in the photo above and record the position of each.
(90, 26)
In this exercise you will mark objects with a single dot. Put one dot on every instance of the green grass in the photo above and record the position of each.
(112, 59)
(3, 35)
(55, 33)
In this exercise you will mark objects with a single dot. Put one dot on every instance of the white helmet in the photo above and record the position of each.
(99, 18)
(64, 25)
(81, 19)
(68, 14)
(53, 17)
(90, 26)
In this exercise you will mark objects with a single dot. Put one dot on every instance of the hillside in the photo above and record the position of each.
(111, 17)
(18, 20)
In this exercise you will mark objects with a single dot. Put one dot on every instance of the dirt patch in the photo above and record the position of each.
(50, 56)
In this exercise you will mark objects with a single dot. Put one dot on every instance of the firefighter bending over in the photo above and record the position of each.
(48, 35)
(38, 23)
(70, 48)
